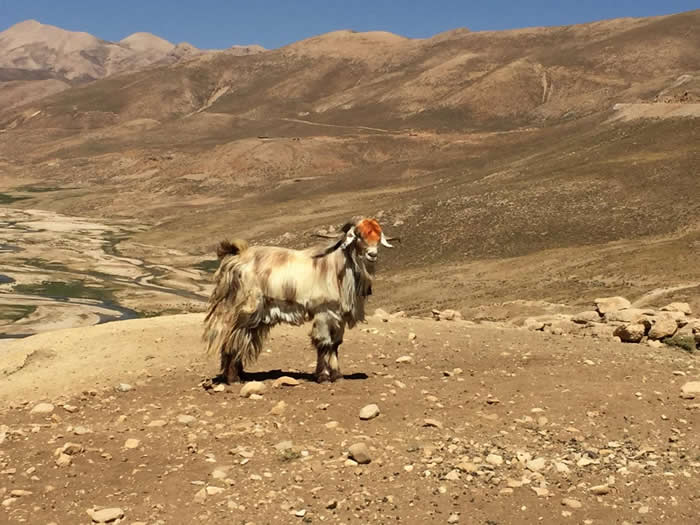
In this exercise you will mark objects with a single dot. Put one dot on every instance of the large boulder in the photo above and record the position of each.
(611, 304)
(533, 324)
(447, 315)
(630, 333)
(683, 308)
(662, 326)
(629, 315)
(599, 330)
(587, 317)
(563, 326)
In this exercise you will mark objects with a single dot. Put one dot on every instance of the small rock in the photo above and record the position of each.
(70, 408)
(600, 490)
(432, 423)
(219, 388)
(219, 474)
(494, 459)
(468, 467)
(412, 336)
(300, 513)
(200, 496)
(106, 515)
(42, 408)
(186, 419)
(80, 431)
(560, 467)
(132, 443)
(369, 412)
(278, 409)
(284, 381)
(454, 518)
(284, 445)
(536, 464)
(72, 449)
(571, 503)
(404, 359)
(18, 493)
(63, 460)
(252, 387)
(123, 387)
(360, 453)
(690, 389)
(211, 491)
(453, 475)
(157, 423)
(541, 491)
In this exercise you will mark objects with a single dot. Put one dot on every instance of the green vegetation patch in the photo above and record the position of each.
(15, 312)
(210, 265)
(683, 341)
(72, 289)
(6, 198)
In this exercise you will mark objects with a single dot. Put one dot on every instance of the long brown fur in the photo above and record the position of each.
(259, 287)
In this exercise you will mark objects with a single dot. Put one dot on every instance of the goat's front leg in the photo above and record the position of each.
(327, 335)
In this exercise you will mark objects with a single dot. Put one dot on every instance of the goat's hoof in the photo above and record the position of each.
(325, 377)
(335, 376)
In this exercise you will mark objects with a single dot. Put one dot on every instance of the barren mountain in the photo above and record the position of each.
(31, 53)
(548, 148)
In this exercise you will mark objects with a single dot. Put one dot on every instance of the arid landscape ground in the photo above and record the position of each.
(527, 172)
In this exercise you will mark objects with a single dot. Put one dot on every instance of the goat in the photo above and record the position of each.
(258, 287)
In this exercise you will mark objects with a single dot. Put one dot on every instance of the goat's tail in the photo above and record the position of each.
(232, 247)
(233, 323)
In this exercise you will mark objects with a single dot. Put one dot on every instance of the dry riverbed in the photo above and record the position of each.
(59, 271)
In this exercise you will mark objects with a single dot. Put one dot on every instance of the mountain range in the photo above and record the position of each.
(38, 59)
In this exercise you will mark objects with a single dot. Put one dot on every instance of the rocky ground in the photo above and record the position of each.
(435, 422)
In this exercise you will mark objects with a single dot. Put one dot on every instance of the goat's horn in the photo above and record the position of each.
(327, 235)
(385, 241)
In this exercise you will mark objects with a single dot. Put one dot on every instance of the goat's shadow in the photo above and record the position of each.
(276, 374)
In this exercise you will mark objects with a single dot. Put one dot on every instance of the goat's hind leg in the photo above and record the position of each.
(231, 370)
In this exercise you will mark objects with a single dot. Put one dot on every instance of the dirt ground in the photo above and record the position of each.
(475, 425)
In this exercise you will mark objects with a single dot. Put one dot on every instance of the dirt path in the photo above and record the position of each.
(476, 425)
(660, 292)
(311, 123)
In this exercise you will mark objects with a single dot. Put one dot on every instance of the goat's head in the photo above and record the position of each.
(364, 237)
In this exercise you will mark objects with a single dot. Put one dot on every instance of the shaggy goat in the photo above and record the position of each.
(257, 287)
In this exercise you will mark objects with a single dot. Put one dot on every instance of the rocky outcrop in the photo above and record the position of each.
(615, 317)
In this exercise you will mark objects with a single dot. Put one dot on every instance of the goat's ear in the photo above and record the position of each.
(350, 237)
(347, 227)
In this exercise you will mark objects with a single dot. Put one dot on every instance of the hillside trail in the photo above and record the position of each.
(654, 294)
(475, 425)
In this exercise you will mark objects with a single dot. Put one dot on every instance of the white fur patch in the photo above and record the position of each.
(277, 312)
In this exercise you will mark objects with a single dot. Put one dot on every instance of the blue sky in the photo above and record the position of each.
(274, 23)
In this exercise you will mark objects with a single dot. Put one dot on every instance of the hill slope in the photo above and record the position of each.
(534, 147)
